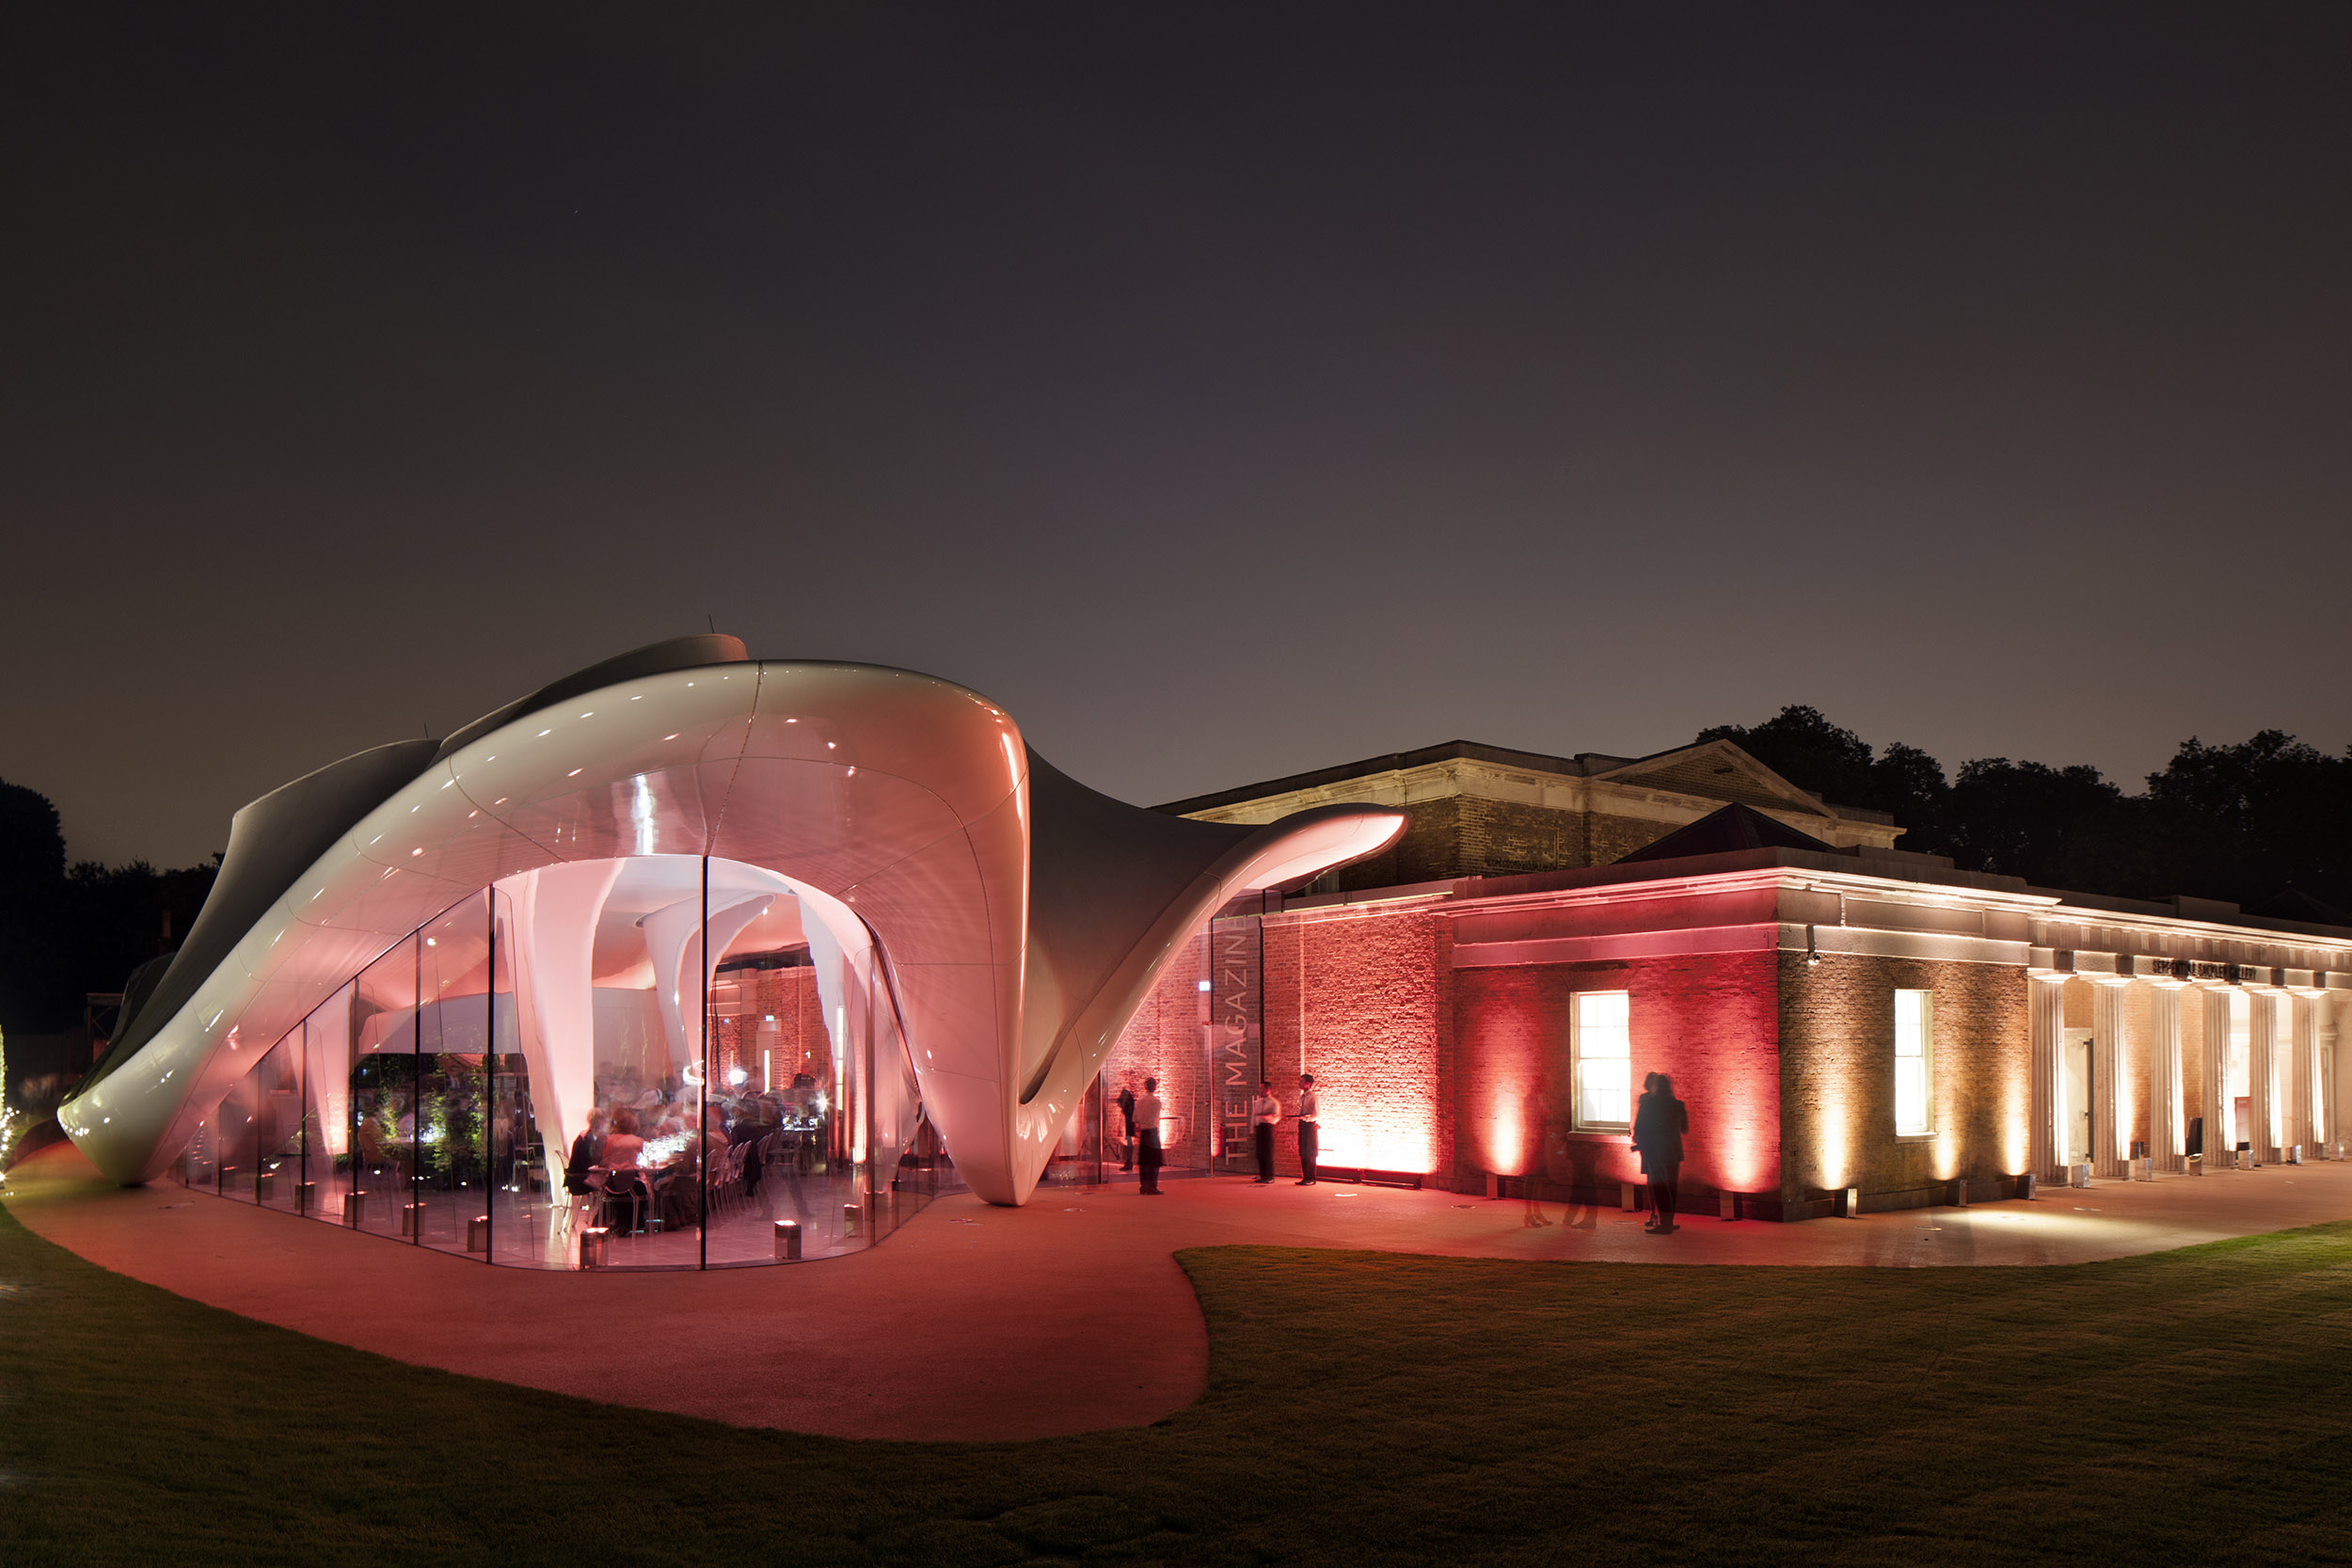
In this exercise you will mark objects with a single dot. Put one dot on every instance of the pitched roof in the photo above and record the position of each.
(1711, 769)
(1719, 770)
(1735, 827)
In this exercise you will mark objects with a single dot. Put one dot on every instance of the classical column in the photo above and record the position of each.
(2108, 1117)
(2216, 1109)
(2324, 1048)
(2262, 1077)
(2166, 1124)
(2295, 1095)
(2046, 1024)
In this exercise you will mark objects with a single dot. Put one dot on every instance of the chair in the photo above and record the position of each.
(726, 1191)
(579, 1206)
(626, 1187)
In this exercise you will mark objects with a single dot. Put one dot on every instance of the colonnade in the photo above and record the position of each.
(2289, 1039)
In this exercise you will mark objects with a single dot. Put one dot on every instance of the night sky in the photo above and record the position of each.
(1227, 391)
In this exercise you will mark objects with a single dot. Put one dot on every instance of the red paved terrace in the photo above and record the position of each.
(987, 1322)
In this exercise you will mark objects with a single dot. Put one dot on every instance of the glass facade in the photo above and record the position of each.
(643, 1063)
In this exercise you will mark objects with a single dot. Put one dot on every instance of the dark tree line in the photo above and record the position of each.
(68, 930)
(2265, 824)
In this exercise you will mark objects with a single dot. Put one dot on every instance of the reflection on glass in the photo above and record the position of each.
(452, 1115)
(382, 1102)
(644, 1063)
(237, 1139)
(276, 1101)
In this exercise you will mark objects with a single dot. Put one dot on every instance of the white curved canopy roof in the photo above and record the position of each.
(1016, 948)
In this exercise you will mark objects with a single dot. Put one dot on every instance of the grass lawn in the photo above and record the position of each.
(2193, 1406)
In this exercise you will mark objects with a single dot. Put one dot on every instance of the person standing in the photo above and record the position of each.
(1127, 1114)
(1148, 1155)
(1265, 1113)
(1658, 1128)
(1309, 1130)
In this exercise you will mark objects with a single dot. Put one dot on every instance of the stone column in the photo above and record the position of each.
(2167, 1123)
(2216, 1109)
(2324, 1047)
(2046, 1025)
(2108, 1117)
(2262, 1077)
(2295, 1125)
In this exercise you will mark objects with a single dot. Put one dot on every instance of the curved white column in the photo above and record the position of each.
(548, 932)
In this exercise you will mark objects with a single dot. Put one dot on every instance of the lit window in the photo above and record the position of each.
(1915, 1062)
(1601, 1045)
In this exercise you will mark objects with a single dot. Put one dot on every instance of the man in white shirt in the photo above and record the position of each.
(1265, 1113)
(1310, 1129)
(1148, 1156)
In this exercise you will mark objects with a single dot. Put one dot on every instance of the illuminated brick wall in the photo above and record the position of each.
(1708, 1021)
(1837, 1077)
(1363, 1002)
(1163, 1040)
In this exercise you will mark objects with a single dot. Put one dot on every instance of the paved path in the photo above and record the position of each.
(1070, 1315)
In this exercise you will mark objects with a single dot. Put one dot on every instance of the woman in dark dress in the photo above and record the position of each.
(1659, 1125)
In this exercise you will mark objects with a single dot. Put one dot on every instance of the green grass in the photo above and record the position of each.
(2193, 1406)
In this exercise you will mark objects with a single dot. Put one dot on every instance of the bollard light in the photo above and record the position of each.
(478, 1233)
(787, 1240)
(592, 1242)
(852, 1221)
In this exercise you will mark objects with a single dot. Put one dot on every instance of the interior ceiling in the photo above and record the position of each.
(650, 883)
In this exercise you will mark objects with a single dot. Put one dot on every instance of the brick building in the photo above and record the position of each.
(1840, 1016)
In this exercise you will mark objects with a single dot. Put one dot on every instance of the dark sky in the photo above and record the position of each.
(1227, 391)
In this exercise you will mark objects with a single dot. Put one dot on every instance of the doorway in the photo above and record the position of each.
(2078, 1087)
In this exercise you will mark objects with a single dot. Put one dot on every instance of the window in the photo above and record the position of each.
(1914, 1063)
(1600, 1041)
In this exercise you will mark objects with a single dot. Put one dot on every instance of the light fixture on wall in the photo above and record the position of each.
(1812, 949)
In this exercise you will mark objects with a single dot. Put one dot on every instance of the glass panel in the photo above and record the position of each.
(238, 1140)
(429, 1099)
(277, 1123)
(383, 1099)
(199, 1163)
(1604, 1066)
(529, 1200)
(327, 1113)
(453, 1115)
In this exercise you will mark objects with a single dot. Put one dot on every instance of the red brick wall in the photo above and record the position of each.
(1709, 1021)
(1374, 1029)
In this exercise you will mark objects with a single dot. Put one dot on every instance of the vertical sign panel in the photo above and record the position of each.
(1236, 1019)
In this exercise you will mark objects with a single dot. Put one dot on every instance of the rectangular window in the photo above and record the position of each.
(1914, 1063)
(1602, 1043)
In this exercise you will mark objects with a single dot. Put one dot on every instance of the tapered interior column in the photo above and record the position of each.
(2045, 1022)
(2262, 1076)
(2108, 1117)
(2166, 1125)
(2216, 1109)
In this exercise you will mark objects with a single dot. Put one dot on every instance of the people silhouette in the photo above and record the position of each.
(1659, 1125)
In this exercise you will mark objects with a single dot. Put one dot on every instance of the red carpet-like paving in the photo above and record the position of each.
(972, 1322)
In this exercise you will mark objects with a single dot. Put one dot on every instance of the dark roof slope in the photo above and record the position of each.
(1735, 827)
